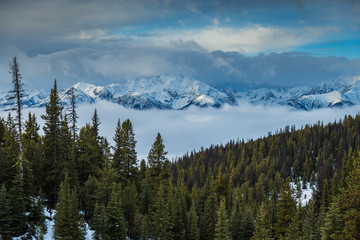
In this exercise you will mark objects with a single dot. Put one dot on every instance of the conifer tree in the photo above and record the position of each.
(33, 150)
(89, 156)
(17, 201)
(177, 209)
(36, 219)
(52, 145)
(145, 228)
(161, 217)
(8, 151)
(115, 227)
(89, 196)
(262, 224)
(295, 230)
(73, 114)
(15, 100)
(222, 226)
(235, 216)
(193, 224)
(325, 199)
(5, 214)
(125, 159)
(334, 222)
(286, 213)
(157, 156)
(309, 226)
(95, 123)
(130, 199)
(98, 221)
(246, 223)
(210, 212)
(146, 194)
(350, 202)
(108, 176)
(66, 153)
(67, 218)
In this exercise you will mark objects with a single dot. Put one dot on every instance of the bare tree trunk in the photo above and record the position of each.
(17, 95)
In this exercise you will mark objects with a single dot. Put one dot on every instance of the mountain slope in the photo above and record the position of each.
(180, 92)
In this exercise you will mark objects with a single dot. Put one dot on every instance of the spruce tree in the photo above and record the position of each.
(124, 159)
(193, 224)
(246, 223)
(67, 218)
(108, 176)
(222, 225)
(115, 227)
(73, 115)
(66, 161)
(210, 212)
(334, 222)
(8, 151)
(95, 123)
(53, 165)
(36, 218)
(350, 202)
(262, 224)
(33, 151)
(97, 222)
(157, 155)
(5, 217)
(179, 210)
(161, 216)
(98, 143)
(129, 204)
(17, 201)
(286, 206)
(309, 225)
(89, 156)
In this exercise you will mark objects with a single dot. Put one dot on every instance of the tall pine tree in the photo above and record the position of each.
(157, 156)
(52, 144)
(67, 218)
(222, 224)
(125, 159)
(15, 100)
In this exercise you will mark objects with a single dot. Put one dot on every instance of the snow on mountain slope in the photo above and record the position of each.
(160, 92)
(164, 92)
(335, 93)
(272, 96)
(180, 92)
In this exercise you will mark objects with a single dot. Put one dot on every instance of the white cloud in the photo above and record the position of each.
(186, 130)
(249, 40)
(215, 21)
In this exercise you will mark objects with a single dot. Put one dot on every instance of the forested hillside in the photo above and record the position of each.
(241, 190)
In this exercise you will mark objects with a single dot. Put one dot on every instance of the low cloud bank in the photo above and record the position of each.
(187, 130)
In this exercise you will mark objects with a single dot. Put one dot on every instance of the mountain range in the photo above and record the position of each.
(180, 92)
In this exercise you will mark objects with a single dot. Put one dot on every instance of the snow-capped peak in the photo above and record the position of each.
(180, 92)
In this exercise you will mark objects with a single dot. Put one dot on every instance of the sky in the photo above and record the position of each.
(224, 43)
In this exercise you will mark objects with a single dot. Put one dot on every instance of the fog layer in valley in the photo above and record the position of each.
(191, 129)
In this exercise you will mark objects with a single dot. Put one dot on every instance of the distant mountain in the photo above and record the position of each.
(335, 93)
(180, 92)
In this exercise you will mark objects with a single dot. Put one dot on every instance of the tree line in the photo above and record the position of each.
(240, 190)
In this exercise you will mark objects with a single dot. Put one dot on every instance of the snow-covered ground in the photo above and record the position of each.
(306, 194)
(49, 222)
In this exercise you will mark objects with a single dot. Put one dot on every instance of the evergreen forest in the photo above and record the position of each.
(241, 190)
